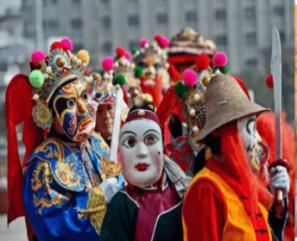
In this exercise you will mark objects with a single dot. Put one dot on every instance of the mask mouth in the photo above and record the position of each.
(85, 123)
(141, 167)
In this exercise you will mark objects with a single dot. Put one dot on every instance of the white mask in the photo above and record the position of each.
(141, 152)
(252, 141)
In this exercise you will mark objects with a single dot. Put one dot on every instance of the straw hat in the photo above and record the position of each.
(225, 102)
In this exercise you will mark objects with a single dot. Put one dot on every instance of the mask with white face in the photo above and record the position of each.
(252, 142)
(141, 152)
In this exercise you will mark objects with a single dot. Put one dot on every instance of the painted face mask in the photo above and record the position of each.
(72, 107)
(141, 152)
(257, 152)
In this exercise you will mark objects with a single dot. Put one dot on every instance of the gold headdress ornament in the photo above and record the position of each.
(190, 42)
(51, 72)
(158, 46)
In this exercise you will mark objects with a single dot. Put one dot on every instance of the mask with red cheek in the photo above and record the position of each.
(141, 152)
(72, 106)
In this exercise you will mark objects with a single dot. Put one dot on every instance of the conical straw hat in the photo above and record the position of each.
(225, 102)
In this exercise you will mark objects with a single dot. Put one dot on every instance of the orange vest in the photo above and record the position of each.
(238, 225)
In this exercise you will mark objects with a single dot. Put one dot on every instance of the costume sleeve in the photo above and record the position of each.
(57, 213)
(120, 219)
(204, 212)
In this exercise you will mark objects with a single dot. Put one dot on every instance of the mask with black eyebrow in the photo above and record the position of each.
(252, 141)
(141, 152)
(71, 107)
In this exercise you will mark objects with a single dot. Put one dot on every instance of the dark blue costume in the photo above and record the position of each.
(62, 196)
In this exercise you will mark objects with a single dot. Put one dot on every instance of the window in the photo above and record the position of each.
(279, 11)
(220, 14)
(106, 22)
(250, 13)
(76, 1)
(76, 23)
(162, 18)
(78, 46)
(50, 24)
(133, 20)
(50, 2)
(252, 63)
(133, 44)
(251, 39)
(221, 40)
(106, 47)
(191, 16)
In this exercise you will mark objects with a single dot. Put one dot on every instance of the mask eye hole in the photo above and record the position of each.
(71, 103)
(150, 139)
(129, 142)
(84, 95)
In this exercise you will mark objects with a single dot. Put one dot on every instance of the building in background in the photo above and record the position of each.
(240, 27)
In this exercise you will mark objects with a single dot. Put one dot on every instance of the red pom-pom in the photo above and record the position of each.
(67, 44)
(190, 77)
(220, 59)
(107, 63)
(120, 51)
(269, 81)
(202, 62)
(158, 38)
(37, 57)
(127, 55)
(164, 42)
(143, 42)
(57, 45)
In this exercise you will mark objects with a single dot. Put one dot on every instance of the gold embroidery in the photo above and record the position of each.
(42, 178)
(66, 175)
(96, 208)
(110, 168)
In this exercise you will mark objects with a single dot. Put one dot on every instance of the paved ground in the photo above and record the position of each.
(15, 232)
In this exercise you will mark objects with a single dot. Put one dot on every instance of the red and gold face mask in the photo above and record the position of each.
(72, 107)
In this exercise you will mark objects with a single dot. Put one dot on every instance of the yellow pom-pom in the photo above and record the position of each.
(84, 56)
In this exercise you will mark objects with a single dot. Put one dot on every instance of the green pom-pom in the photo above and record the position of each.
(224, 70)
(134, 51)
(36, 78)
(119, 79)
(181, 90)
(138, 71)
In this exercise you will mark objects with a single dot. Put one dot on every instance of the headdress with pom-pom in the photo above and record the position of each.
(51, 72)
(103, 81)
(158, 46)
(122, 61)
(192, 89)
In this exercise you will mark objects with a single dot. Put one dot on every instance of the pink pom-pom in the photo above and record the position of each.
(220, 59)
(107, 63)
(164, 42)
(190, 77)
(143, 42)
(37, 57)
(67, 44)
(127, 55)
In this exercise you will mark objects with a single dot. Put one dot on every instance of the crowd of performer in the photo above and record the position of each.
(163, 143)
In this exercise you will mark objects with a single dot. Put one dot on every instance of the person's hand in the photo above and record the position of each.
(110, 188)
(279, 179)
